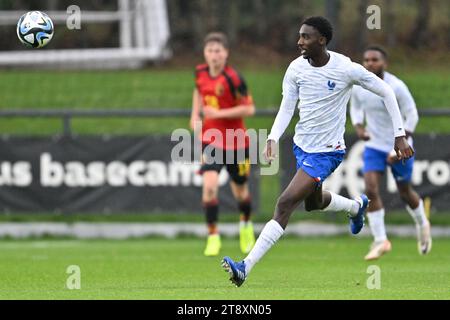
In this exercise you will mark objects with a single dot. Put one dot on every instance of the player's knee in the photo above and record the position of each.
(242, 194)
(209, 193)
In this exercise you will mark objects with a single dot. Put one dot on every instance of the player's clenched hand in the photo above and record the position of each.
(402, 148)
(270, 151)
(362, 133)
(210, 112)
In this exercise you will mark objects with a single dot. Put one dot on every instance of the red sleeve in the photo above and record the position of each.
(239, 87)
(198, 70)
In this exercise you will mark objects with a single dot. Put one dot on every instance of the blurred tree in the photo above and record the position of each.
(261, 22)
(198, 13)
(19, 5)
(332, 10)
(234, 18)
(229, 15)
(389, 22)
(270, 25)
(418, 37)
(361, 30)
(178, 13)
(52, 5)
(7, 5)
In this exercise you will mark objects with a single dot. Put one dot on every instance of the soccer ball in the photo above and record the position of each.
(35, 29)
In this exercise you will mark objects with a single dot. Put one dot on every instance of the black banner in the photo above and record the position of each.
(102, 175)
(96, 174)
(431, 174)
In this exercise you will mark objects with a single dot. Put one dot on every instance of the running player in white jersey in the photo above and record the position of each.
(322, 81)
(377, 154)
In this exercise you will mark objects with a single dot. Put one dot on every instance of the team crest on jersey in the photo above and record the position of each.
(331, 85)
(219, 89)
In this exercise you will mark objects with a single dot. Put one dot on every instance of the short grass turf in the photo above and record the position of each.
(322, 268)
(164, 89)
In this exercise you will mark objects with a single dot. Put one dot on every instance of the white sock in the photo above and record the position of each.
(269, 235)
(418, 214)
(340, 203)
(376, 223)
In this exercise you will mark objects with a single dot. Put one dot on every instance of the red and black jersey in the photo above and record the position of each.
(227, 90)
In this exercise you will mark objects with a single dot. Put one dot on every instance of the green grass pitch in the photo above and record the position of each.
(156, 88)
(321, 268)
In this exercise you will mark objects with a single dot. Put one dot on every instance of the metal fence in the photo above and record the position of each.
(66, 115)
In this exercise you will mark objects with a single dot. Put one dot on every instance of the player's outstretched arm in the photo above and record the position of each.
(357, 117)
(280, 124)
(284, 116)
(196, 106)
(374, 84)
(241, 111)
(408, 108)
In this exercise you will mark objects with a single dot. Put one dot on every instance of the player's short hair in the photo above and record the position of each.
(216, 37)
(377, 48)
(322, 25)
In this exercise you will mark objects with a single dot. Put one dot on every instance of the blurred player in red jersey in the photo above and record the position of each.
(221, 95)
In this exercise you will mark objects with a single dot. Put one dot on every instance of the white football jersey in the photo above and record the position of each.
(323, 94)
(369, 107)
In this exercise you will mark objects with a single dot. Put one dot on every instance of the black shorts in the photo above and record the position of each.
(237, 162)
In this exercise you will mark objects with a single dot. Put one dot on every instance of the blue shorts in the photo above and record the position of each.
(318, 165)
(376, 160)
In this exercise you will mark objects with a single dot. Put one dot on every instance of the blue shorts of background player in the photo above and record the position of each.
(376, 160)
(318, 165)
